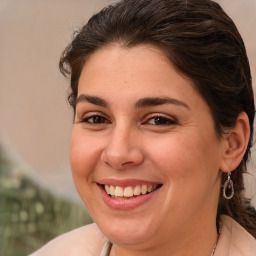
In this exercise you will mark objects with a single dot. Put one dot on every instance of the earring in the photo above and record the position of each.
(228, 188)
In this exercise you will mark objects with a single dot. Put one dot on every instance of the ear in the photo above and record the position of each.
(235, 141)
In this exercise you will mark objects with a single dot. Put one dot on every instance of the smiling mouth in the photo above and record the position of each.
(129, 192)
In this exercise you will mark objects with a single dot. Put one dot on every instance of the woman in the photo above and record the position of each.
(163, 123)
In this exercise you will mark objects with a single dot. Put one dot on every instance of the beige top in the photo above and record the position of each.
(233, 241)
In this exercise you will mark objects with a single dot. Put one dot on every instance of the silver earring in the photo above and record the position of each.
(228, 188)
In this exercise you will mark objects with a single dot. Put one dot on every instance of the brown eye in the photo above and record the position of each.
(160, 120)
(95, 120)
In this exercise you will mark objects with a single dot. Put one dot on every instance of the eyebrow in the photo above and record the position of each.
(141, 103)
(148, 102)
(92, 99)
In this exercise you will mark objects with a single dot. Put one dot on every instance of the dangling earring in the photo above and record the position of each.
(228, 188)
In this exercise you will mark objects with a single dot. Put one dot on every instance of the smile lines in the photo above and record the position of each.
(129, 191)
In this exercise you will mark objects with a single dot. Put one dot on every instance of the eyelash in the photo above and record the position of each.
(164, 121)
(159, 120)
(95, 121)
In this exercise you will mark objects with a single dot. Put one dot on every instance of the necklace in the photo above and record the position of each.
(219, 230)
(213, 250)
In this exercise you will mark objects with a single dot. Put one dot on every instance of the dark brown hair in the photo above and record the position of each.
(202, 42)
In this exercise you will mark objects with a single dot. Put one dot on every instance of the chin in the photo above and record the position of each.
(127, 233)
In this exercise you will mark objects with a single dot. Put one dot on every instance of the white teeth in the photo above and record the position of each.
(126, 192)
(136, 190)
(150, 188)
(119, 191)
(144, 189)
(112, 190)
(107, 188)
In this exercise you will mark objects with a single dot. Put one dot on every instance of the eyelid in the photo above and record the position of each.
(86, 120)
(92, 114)
(172, 119)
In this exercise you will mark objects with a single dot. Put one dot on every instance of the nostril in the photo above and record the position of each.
(127, 163)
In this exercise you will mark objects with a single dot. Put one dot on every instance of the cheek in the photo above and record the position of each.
(185, 156)
(190, 168)
(173, 152)
(83, 155)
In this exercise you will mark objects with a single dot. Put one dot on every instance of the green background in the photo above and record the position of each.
(30, 215)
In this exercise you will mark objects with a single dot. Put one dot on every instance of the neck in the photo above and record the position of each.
(199, 240)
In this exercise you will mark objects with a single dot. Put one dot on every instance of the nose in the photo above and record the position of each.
(122, 150)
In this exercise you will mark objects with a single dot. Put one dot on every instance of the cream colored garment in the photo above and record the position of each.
(234, 240)
(89, 241)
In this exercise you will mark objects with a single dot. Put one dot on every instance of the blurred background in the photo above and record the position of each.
(37, 197)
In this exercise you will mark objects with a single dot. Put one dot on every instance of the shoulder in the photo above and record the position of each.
(87, 240)
(235, 240)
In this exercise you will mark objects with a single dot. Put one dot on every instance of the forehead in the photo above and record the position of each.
(139, 66)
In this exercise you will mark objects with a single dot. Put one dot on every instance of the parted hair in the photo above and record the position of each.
(203, 43)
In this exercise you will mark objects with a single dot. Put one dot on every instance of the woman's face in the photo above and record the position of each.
(143, 134)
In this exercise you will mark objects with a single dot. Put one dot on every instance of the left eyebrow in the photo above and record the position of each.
(148, 102)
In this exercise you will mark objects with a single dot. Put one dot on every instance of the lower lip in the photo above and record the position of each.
(126, 204)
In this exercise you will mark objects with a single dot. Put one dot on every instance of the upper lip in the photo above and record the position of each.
(126, 182)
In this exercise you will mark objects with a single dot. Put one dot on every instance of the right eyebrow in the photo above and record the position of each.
(92, 99)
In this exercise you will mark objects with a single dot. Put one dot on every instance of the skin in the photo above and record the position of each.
(127, 140)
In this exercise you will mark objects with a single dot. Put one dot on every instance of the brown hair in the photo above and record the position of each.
(202, 42)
